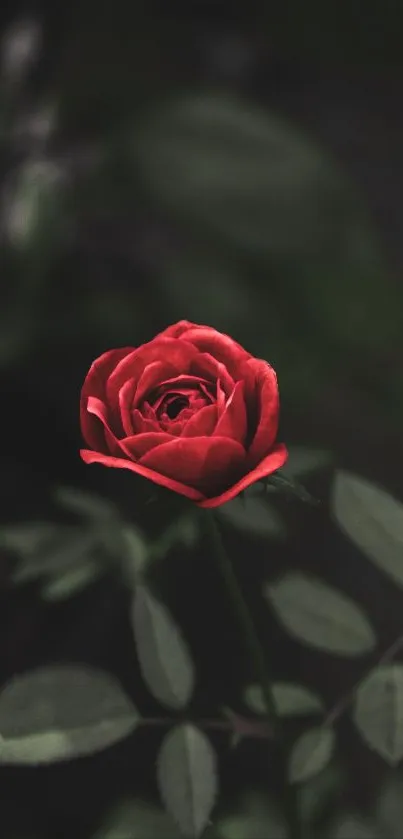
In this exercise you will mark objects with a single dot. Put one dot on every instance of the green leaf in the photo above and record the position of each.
(242, 173)
(389, 806)
(257, 817)
(121, 542)
(216, 293)
(187, 778)
(372, 519)
(36, 213)
(354, 827)
(85, 504)
(321, 793)
(136, 819)
(135, 554)
(253, 514)
(163, 654)
(21, 43)
(291, 488)
(46, 549)
(320, 616)
(66, 550)
(66, 585)
(62, 712)
(378, 711)
(226, 172)
(183, 531)
(27, 539)
(290, 699)
(311, 753)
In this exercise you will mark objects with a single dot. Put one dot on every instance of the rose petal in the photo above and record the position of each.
(140, 444)
(184, 386)
(176, 329)
(126, 395)
(218, 344)
(167, 397)
(207, 366)
(183, 381)
(209, 390)
(203, 463)
(121, 463)
(97, 408)
(151, 378)
(202, 423)
(178, 355)
(94, 385)
(233, 420)
(174, 427)
(142, 424)
(221, 398)
(270, 464)
(264, 395)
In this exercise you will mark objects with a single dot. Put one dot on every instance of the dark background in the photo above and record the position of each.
(242, 169)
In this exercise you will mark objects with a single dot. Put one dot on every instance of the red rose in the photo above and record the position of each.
(191, 410)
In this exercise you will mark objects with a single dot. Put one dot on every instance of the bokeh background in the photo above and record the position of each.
(236, 167)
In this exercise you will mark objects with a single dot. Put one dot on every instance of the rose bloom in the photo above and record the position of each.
(191, 410)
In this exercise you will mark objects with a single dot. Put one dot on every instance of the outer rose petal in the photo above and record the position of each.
(265, 399)
(218, 344)
(97, 409)
(207, 339)
(270, 464)
(94, 385)
(176, 329)
(121, 463)
(203, 463)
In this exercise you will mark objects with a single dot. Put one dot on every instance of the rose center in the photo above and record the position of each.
(176, 405)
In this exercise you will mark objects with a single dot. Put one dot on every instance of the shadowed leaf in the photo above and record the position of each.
(378, 711)
(163, 654)
(311, 753)
(320, 616)
(372, 519)
(62, 712)
(187, 778)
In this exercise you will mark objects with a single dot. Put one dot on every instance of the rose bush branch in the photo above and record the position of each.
(257, 655)
(243, 614)
(234, 724)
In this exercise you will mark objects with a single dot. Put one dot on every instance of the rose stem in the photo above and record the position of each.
(256, 652)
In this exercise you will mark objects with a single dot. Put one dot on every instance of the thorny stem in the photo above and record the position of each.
(237, 725)
(250, 727)
(162, 722)
(256, 652)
